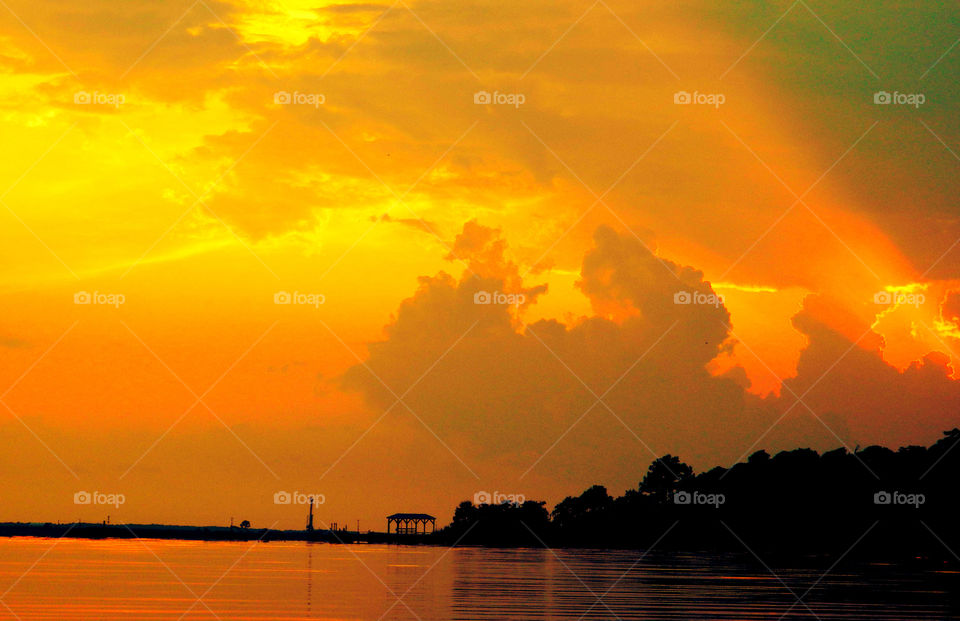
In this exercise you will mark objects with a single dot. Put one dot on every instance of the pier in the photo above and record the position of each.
(99, 530)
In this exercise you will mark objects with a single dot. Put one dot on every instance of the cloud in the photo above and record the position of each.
(497, 387)
(498, 390)
(870, 400)
(354, 8)
(950, 309)
(414, 223)
(13, 342)
(798, 99)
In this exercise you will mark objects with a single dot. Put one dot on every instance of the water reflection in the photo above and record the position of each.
(309, 579)
(591, 584)
(150, 579)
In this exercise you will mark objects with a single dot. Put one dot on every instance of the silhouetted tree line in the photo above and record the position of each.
(873, 502)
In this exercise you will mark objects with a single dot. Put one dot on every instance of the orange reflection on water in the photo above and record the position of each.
(72, 579)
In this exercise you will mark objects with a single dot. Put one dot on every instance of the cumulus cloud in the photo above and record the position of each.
(870, 401)
(499, 389)
(950, 310)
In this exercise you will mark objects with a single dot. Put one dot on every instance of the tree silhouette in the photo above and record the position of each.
(509, 524)
(592, 503)
(664, 477)
(892, 504)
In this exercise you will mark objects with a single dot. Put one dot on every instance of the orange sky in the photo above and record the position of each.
(197, 160)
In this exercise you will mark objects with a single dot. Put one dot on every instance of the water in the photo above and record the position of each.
(154, 579)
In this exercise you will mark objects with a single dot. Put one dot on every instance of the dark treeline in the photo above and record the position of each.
(877, 501)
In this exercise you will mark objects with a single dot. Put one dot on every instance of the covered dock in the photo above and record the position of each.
(411, 523)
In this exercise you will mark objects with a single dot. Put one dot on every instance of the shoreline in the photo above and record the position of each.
(98, 531)
(92, 530)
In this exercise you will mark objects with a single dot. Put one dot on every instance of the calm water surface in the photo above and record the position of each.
(153, 579)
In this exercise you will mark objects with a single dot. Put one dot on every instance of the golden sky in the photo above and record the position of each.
(171, 171)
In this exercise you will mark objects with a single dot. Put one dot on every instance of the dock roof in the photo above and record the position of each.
(410, 516)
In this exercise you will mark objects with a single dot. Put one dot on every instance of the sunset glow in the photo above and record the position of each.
(244, 242)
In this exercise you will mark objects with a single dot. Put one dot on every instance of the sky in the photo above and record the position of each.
(400, 255)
